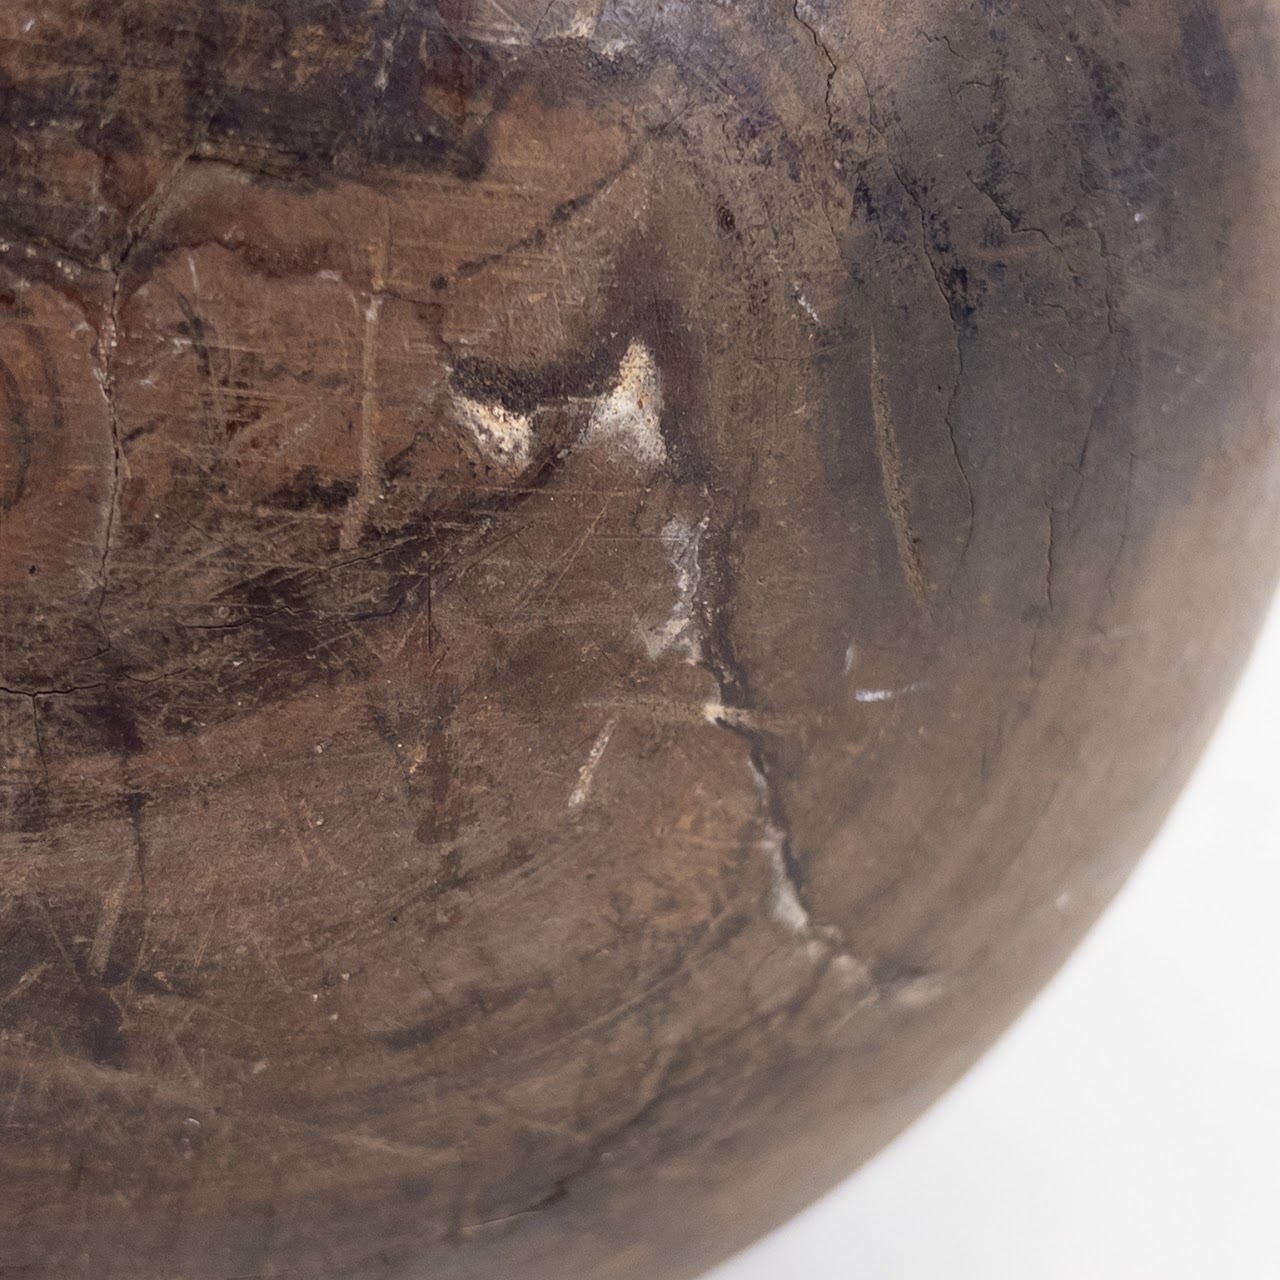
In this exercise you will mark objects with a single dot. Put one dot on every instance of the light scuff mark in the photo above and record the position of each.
(580, 26)
(680, 632)
(579, 20)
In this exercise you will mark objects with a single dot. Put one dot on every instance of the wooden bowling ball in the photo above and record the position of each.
(592, 593)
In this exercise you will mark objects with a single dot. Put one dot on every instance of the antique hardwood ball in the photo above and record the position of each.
(592, 593)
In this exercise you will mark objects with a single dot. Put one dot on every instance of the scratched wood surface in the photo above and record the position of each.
(593, 593)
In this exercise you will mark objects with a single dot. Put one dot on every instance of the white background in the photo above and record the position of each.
(1128, 1126)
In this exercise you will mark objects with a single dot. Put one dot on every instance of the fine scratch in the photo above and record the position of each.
(112, 905)
(145, 217)
(32, 975)
(895, 489)
(579, 795)
(370, 472)
(108, 341)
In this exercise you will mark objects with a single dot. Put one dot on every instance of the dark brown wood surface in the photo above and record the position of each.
(593, 593)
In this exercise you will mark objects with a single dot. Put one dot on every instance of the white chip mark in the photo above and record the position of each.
(680, 630)
(786, 906)
(497, 430)
(626, 419)
(611, 48)
(849, 655)
(731, 717)
(886, 695)
(917, 992)
(784, 903)
(579, 795)
(807, 307)
(570, 22)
